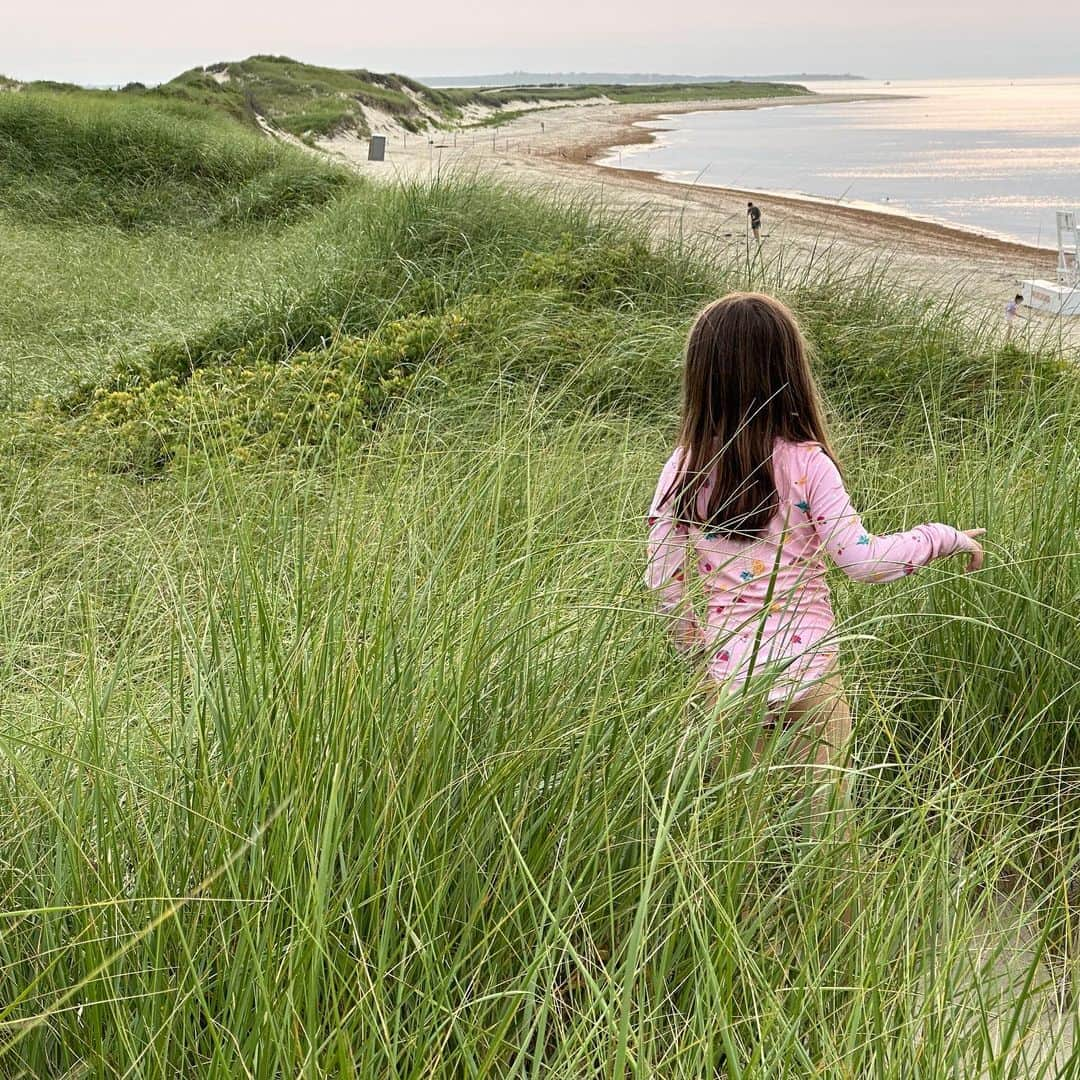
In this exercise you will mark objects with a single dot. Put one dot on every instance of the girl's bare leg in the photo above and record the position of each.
(816, 732)
(820, 725)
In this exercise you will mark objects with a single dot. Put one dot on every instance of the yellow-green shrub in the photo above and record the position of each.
(251, 408)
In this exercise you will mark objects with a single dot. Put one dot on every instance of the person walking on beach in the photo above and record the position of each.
(1012, 313)
(754, 214)
(750, 503)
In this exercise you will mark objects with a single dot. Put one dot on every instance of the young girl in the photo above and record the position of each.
(752, 500)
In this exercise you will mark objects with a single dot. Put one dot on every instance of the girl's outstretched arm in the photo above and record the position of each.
(860, 554)
(668, 551)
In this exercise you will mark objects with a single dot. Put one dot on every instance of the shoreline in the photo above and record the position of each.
(555, 153)
(633, 134)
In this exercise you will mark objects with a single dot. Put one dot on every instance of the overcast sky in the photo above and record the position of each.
(115, 41)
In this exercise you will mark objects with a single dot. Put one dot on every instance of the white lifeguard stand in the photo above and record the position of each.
(1063, 296)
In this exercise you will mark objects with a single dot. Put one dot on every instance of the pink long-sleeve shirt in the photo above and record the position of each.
(769, 611)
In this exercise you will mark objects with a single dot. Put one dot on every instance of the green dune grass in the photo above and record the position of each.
(339, 737)
(107, 158)
(637, 94)
(308, 99)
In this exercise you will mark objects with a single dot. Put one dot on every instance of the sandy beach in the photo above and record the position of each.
(559, 148)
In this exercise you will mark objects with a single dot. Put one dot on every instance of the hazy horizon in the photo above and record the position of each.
(118, 41)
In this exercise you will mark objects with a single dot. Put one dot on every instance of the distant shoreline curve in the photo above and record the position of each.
(630, 133)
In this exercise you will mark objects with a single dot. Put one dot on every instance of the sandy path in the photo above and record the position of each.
(558, 149)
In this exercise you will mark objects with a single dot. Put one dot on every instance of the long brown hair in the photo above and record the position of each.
(746, 383)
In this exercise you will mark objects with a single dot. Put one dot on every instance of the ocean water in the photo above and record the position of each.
(995, 156)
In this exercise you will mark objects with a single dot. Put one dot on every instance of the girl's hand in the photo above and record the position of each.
(977, 556)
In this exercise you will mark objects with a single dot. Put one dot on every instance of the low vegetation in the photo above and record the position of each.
(306, 99)
(629, 94)
(93, 158)
(339, 738)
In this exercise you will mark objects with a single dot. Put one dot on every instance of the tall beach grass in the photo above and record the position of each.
(372, 759)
